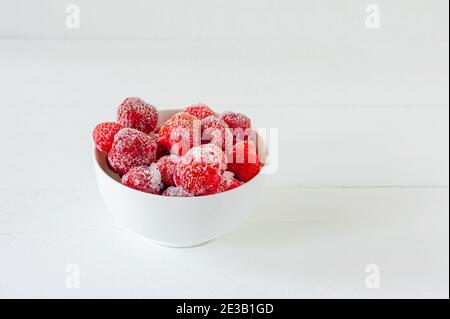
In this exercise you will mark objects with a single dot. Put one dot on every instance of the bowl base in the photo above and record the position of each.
(171, 245)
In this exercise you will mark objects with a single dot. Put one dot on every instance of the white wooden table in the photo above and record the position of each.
(363, 176)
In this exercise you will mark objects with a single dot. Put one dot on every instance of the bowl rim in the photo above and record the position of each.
(98, 166)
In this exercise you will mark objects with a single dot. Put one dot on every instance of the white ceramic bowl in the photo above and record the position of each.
(176, 221)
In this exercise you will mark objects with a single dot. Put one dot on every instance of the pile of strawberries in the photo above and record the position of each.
(195, 152)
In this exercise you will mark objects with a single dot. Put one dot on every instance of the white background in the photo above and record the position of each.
(363, 120)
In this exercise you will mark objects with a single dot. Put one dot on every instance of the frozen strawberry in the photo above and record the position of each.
(228, 182)
(176, 192)
(131, 148)
(144, 178)
(238, 123)
(200, 171)
(244, 161)
(236, 120)
(167, 166)
(200, 111)
(104, 135)
(180, 133)
(135, 113)
(216, 131)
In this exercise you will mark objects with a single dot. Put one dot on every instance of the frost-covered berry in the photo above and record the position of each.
(228, 182)
(176, 192)
(144, 178)
(135, 113)
(238, 123)
(131, 148)
(244, 162)
(180, 133)
(216, 131)
(200, 171)
(200, 111)
(104, 135)
(167, 166)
